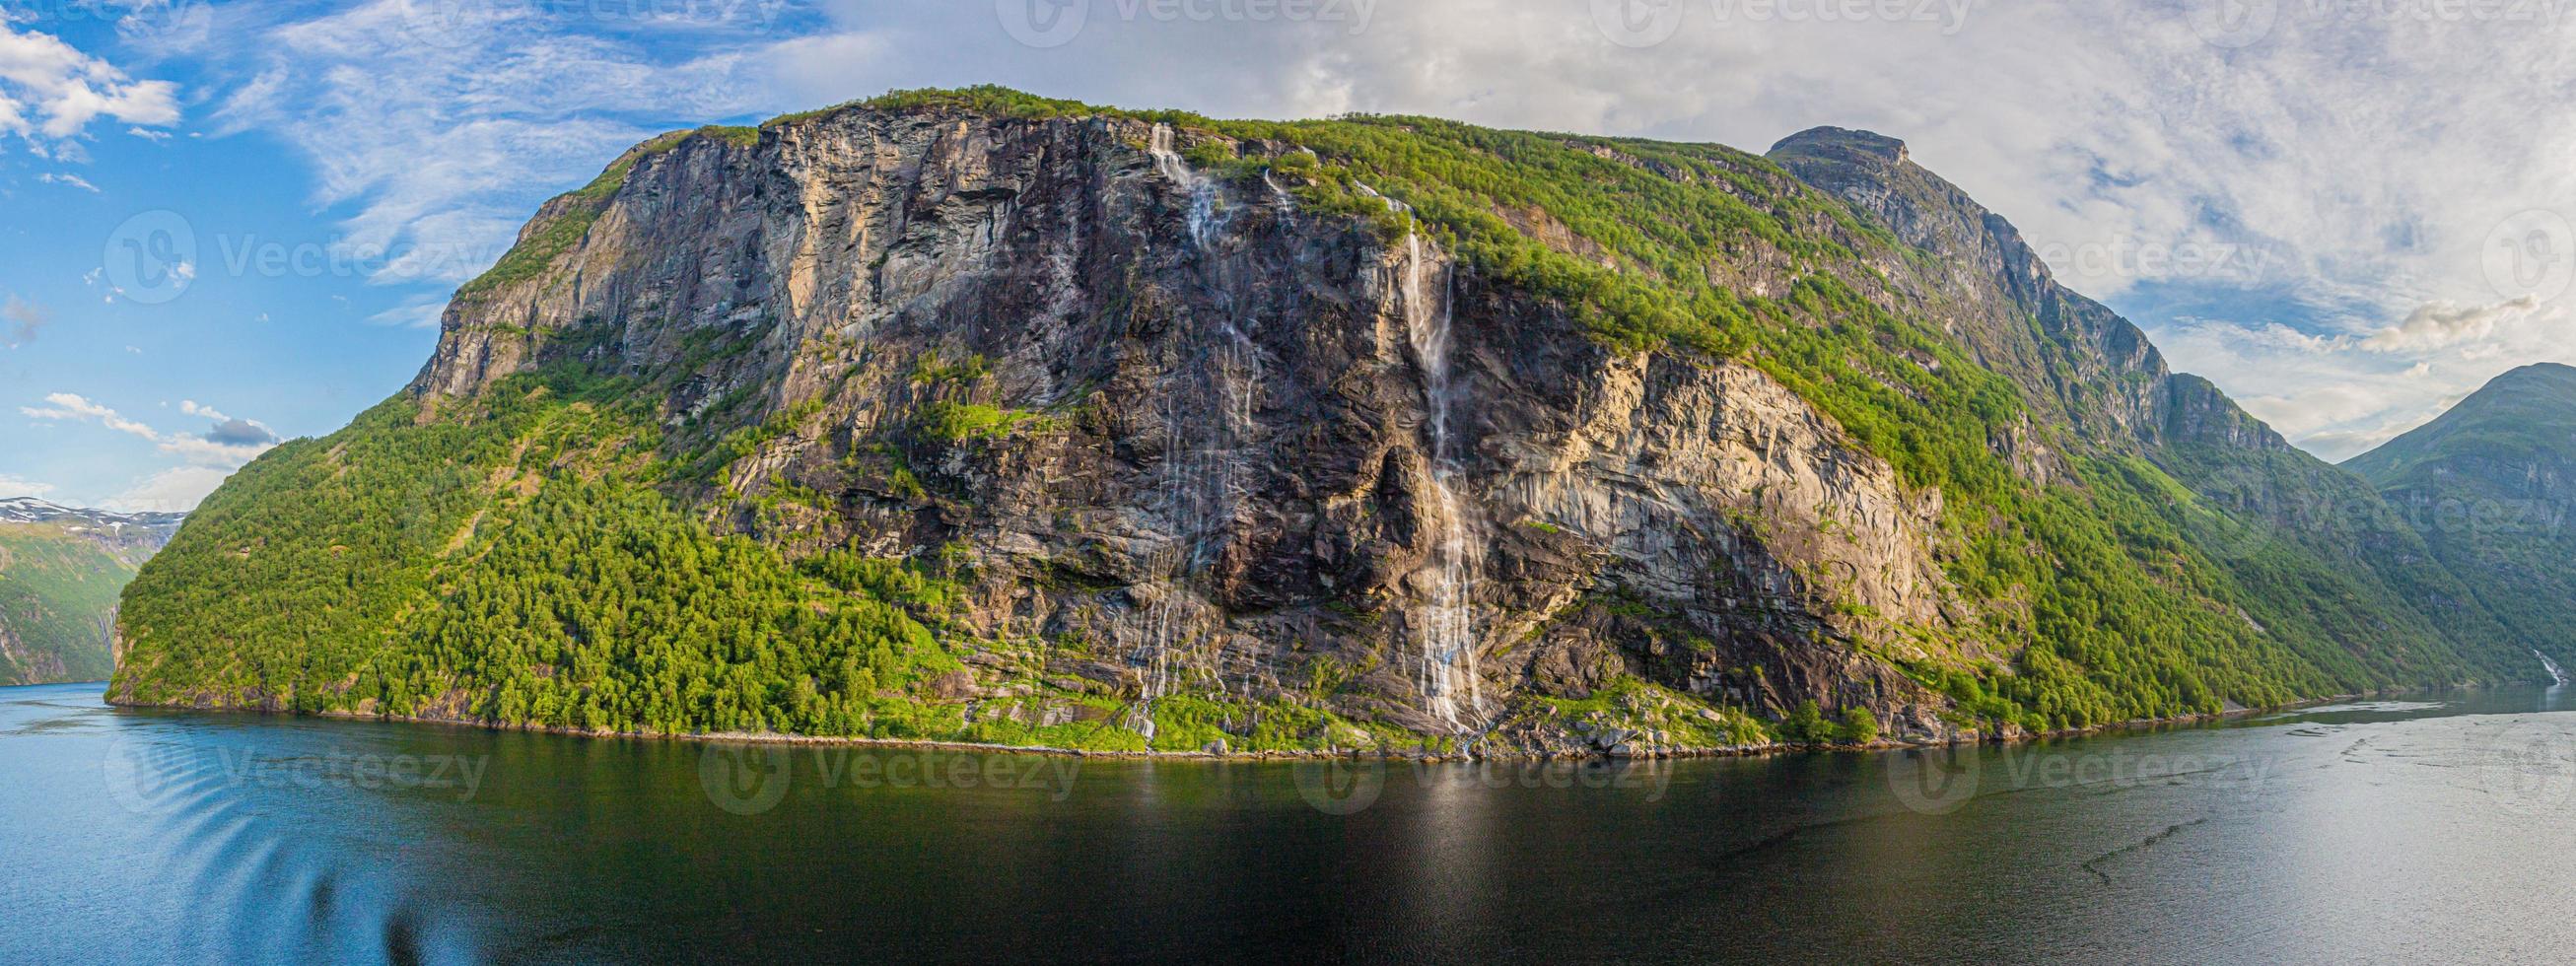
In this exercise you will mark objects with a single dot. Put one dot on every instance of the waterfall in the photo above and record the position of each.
(1202, 216)
(1203, 462)
(1447, 623)
(2555, 675)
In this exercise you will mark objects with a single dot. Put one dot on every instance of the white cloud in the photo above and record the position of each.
(2354, 206)
(225, 447)
(68, 180)
(176, 490)
(422, 314)
(443, 134)
(2437, 325)
(13, 486)
(51, 92)
(70, 406)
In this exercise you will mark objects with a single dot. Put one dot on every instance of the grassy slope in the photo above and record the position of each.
(56, 592)
(2488, 485)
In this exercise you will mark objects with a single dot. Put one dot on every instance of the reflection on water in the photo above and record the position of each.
(2400, 829)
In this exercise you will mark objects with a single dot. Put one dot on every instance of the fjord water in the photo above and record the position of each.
(2421, 829)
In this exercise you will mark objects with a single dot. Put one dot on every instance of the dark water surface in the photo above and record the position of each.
(2432, 829)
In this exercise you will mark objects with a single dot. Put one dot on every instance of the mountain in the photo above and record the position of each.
(152, 529)
(61, 571)
(2315, 555)
(2488, 484)
(972, 415)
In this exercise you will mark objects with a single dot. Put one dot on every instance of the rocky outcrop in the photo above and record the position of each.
(1218, 436)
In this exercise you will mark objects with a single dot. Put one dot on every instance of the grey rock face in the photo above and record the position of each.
(1233, 445)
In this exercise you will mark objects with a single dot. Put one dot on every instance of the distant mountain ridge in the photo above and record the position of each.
(2489, 484)
(62, 570)
(24, 509)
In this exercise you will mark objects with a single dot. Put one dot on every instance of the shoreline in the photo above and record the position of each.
(924, 744)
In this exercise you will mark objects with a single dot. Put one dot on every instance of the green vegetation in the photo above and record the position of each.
(957, 422)
(58, 592)
(500, 565)
(1635, 705)
(568, 218)
(2487, 486)
(542, 554)
(1859, 727)
(2113, 612)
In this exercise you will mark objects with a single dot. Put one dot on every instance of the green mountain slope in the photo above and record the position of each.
(975, 415)
(2315, 555)
(58, 598)
(2488, 486)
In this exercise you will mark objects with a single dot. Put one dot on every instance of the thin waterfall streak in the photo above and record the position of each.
(1448, 627)
(1202, 475)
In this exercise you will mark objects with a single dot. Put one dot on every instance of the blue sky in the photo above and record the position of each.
(2348, 215)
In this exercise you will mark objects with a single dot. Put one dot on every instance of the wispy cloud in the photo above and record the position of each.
(13, 486)
(222, 447)
(68, 180)
(174, 490)
(445, 133)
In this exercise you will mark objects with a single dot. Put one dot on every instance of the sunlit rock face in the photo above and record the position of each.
(1205, 439)
(1243, 446)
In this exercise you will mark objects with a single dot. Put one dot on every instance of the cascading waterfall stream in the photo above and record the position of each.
(1447, 628)
(2556, 676)
(1203, 459)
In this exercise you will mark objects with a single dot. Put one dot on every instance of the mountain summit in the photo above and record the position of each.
(2489, 484)
(973, 415)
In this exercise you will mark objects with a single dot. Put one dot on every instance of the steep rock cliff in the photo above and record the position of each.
(1164, 432)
